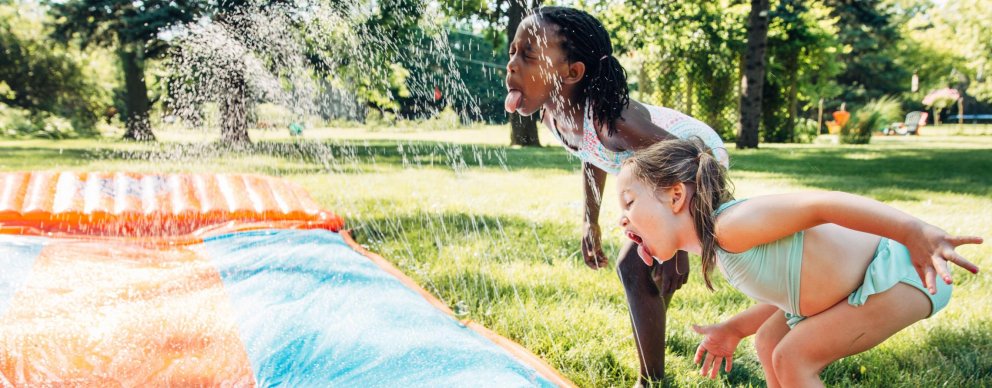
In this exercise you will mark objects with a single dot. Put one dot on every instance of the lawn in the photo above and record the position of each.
(493, 231)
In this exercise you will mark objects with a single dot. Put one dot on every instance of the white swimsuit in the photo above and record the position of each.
(591, 150)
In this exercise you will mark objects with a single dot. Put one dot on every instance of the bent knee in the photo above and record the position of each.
(764, 344)
(793, 364)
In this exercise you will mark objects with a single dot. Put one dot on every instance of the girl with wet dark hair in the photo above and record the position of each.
(562, 63)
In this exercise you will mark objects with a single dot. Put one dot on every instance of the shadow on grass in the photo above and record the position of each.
(886, 174)
(30, 158)
(306, 156)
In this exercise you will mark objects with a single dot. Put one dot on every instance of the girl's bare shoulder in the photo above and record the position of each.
(635, 130)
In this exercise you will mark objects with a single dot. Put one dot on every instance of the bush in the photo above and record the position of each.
(446, 119)
(15, 122)
(49, 81)
(874, 116)
(376, 119)
(806, 130)
(22, 123)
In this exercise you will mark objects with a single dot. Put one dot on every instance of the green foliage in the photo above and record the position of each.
(364, 52)
(22, 123)
(53, 83)
(872, 117)
(111, 22)
(15, 122)
(802, 67)
(685, 55)
(134, 29)
(477, 94)
(870, 36)
(6, 92)
(962, 28)
(806, 131)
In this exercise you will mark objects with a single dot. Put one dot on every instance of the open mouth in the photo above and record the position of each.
(642, 249)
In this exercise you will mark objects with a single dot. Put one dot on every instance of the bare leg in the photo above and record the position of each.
(765, 340)
(844, 330)
(647, 313)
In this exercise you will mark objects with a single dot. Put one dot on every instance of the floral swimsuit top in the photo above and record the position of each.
(591, 150)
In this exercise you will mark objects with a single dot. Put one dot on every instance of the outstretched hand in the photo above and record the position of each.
(933, 249)
(592, 247)
(719, 344)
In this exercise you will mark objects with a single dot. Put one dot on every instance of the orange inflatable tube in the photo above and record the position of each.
(130, 204)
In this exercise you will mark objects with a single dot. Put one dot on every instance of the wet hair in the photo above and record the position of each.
(688, 161)
(584, 39)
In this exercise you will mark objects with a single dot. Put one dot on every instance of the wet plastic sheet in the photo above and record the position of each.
(270, 308)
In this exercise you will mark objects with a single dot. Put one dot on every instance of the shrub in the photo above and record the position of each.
(22, 123)
(874, 116)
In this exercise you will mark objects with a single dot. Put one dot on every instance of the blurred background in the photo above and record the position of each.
(83, 68)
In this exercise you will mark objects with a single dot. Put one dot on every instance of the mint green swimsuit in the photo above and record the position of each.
(770, 273)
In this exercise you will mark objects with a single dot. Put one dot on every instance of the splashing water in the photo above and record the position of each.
(308, 58)
(313, 58)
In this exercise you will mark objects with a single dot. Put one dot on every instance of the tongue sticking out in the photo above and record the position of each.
(645, 255)
(513, 99)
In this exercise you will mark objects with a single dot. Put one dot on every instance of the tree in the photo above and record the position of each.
(132, 28)
(41, 78)
(802, 65)
(392, 58)
(235, 60)
(495, 15)
(683, 55)
(523, 130)
(754, 74)
(867, 29)
(962, 27)
(479, 68)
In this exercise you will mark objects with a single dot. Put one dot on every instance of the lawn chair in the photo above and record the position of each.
(914, 121)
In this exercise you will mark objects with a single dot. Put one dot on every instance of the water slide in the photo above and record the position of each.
(123, 279)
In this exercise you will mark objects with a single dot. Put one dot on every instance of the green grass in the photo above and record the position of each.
(493, 231)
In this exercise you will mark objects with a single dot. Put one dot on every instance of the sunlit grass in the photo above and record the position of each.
(494, 232)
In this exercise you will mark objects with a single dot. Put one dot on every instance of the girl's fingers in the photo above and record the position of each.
(707, 364)
(920, 272)
(960, 261)
(730, 363)
(961, 240)
(716, 368)
(940, 267)
(699, 354)
(931, 279)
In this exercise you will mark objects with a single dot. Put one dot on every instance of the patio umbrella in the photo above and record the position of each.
(940, 99)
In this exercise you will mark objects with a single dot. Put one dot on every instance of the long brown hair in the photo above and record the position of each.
(688, 161)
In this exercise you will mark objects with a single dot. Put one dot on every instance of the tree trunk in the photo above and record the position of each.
(961, 111)
(754, 74)
(136, 103)
(234, 114)
(819, 118)
(523, 130)
(793, 70)
(688, 96)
